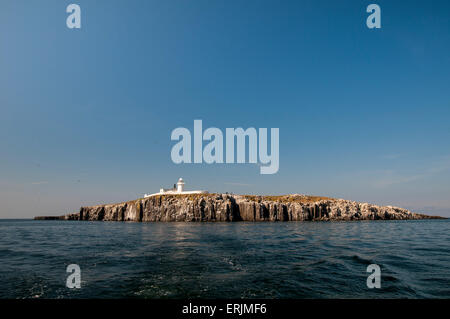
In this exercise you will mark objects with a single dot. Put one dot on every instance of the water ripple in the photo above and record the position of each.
(225, 260)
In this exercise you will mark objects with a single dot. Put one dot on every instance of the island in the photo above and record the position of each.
(206, 207)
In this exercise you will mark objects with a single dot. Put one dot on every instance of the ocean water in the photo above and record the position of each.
(225, 260)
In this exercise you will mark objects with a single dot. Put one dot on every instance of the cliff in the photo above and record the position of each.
(225, 207)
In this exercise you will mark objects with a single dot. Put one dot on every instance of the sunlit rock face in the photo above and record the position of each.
(229, 208)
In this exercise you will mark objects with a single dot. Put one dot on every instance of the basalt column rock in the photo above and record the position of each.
(229, 208)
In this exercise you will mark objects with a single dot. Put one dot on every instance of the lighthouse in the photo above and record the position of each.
(177, 189)
(180, 185)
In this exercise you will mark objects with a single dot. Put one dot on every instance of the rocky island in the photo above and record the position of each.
(230, 208)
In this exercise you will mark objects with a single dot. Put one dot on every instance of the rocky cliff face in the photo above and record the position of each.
(224, 207)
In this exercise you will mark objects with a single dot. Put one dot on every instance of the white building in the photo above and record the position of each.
(177, 189)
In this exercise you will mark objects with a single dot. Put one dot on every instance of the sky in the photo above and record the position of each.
(86, 114)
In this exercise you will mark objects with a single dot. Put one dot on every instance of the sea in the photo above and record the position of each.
(225, 260)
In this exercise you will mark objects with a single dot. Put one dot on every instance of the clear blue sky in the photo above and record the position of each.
(86, 115)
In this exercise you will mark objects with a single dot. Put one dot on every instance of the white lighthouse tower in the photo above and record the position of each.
(180, 185)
